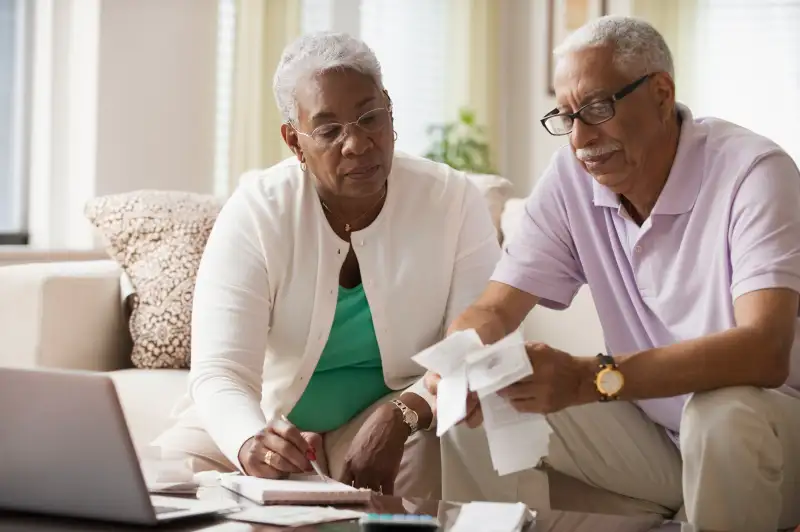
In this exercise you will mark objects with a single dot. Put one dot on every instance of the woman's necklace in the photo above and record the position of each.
(348, 226)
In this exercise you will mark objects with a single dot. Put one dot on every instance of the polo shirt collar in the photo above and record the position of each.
(684, 180)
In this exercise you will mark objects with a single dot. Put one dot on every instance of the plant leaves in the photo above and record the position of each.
(461, 144)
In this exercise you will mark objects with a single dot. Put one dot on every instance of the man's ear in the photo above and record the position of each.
(291, 138)
(663, 87)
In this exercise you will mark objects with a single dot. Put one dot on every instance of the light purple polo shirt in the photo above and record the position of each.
(726, 223)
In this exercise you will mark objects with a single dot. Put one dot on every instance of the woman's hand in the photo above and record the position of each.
(373, 460)
(278, 450)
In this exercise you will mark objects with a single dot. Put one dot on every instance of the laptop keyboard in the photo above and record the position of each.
(166, 509)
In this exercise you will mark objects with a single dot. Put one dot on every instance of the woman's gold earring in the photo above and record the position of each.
(303, 166)
(395, 134)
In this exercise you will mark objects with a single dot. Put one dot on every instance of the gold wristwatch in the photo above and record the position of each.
(410, 417)
(608, 380)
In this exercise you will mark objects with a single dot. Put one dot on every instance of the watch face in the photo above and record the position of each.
(609, 382)
(411, 418)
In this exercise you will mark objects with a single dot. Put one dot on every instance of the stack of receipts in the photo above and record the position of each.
(517, 441)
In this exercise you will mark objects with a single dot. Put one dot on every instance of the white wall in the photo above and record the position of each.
(528, 147)
(123, 100)
(156, 84)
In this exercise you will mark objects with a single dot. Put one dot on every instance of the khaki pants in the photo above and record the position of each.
(738, 467)
(420, 469)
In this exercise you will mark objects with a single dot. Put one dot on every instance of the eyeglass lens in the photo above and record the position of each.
(370, 122)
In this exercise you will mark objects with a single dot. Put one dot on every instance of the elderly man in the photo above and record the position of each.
(687, 231)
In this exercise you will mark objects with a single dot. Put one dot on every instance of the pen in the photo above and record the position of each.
(311, 455)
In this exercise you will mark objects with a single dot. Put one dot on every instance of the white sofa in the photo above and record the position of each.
(70, 315)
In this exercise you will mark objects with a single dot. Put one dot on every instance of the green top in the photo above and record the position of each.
(349, 375)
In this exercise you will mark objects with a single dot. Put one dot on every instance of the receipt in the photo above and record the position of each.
(517, 441)
(448, 359)
(499, 365)
(450, 354)
(451, 401)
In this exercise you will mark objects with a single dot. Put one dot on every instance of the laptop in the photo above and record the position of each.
(65, 450)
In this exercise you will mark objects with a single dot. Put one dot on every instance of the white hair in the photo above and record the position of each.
(638, 47)
(315, 53)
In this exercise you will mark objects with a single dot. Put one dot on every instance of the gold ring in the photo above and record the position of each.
(268, 457)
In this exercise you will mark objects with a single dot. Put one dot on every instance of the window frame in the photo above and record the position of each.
(21, 123)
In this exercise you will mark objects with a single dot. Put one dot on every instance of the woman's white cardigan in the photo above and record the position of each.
(268, 284)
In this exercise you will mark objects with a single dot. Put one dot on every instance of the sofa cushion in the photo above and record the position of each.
(63, 315)
(496, 191)
(158, 238)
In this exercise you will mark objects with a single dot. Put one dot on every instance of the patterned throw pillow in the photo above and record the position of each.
(158, 238)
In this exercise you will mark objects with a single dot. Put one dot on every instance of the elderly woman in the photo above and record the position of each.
(322, 277)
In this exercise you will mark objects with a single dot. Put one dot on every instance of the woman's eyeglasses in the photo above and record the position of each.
(333, 134)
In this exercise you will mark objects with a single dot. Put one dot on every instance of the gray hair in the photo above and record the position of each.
(639, 48)
(315, 53)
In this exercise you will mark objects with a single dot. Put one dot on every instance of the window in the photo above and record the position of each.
(410, 40)
(226, 40)
(747, 69)
(14, 22)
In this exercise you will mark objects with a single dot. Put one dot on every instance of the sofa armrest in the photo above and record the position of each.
(63, 315)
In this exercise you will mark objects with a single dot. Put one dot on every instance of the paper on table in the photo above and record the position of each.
(168, 476)
(491, 517)
(517, 441)
(293, 515)
(167, 471)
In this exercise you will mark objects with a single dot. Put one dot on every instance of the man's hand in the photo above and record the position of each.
(559, 380)
(373, 460)
(474, 413)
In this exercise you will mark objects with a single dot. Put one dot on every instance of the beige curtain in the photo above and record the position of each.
(263, 29)
(473, 79)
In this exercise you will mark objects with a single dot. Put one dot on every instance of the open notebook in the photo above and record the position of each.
(300, 489)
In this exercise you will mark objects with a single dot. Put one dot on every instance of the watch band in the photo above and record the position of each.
(410, 417)
(606, 361)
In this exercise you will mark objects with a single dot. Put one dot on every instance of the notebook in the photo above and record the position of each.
(295, 490)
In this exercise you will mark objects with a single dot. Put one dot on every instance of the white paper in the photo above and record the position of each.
(167, 471)
(491, 517)
(293, 515)
(517, 440)
(499, 365)
(449, 355)
(199, 505)
(451, 400)
(173, 488)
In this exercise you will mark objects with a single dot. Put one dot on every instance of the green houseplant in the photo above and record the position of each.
(461, 144)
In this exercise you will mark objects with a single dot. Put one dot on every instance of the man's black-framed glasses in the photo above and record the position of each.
(591, 114)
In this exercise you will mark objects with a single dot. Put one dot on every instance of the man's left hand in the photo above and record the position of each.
(559, 381)
(373, 460)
